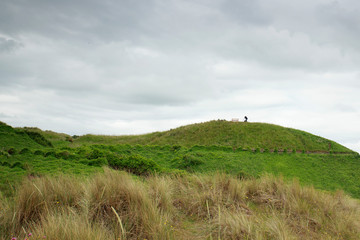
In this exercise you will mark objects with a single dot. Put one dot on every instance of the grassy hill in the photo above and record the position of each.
(224, 133)
(209, 180)
(18, 138)
(56, 139)
(240, 149)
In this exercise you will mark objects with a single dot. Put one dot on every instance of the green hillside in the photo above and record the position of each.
(18, 138)
(225, 133)
(240, 149)
(218, 179)
(56, 139)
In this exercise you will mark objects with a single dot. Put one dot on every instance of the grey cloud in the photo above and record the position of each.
(342, 19)
(84, 21)
(8, 45)
(246, 12)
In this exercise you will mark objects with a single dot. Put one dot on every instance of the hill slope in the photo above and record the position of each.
(224, 133)
(10, 137)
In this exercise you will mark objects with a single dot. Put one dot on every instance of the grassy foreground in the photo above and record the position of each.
(117, 205)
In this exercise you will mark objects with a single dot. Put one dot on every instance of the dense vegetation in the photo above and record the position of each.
(114, 205)
(241, 153)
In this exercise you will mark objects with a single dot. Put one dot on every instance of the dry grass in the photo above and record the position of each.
(115, 205)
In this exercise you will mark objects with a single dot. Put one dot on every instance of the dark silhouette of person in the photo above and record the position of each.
(245, 119)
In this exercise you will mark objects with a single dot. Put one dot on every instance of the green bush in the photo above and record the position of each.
(95, 153)
(17, 164)
(5, 153)
(39, 152)
(98, 162)
(175, 148)
(5, 164)
(136, 164)
(50, 153)
(187, 161)
(62, 154)
(24, 151)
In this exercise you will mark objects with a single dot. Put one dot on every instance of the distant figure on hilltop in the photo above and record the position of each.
(245, 119)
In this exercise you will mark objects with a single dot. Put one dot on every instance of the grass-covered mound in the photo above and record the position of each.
(115, 205)
(225, 133)
(18, 138)
(56, 139)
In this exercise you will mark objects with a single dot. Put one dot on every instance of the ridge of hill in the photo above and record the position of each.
(245, 135)
(20, 138)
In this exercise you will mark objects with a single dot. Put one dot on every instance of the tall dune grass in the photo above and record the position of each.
(116, 205)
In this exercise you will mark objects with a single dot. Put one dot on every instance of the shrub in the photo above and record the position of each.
(17, 164)
(95, 153)
(97, 162)
(39, 152)
(11, 150)
(187, 161)
(5, 153)
(50, 153)
(24, 151)
(62, 154)
(5, 164)
(136, 164)
(276, 150)
(175, 148)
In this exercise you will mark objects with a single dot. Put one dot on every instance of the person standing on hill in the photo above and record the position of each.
(245, 119)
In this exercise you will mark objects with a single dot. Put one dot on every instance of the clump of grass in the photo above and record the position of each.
(139, 215)
(66, 225)
(45, 195)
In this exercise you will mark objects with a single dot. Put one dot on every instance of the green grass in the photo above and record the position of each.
(31, 165)
(10, 137)
(234, 148)
(324, 171)
(57, 139)
(224, 133)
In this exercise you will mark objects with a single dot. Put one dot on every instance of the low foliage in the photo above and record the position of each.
(114, 205)
(187, 161)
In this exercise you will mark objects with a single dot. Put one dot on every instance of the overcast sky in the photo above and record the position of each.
(128, 67)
